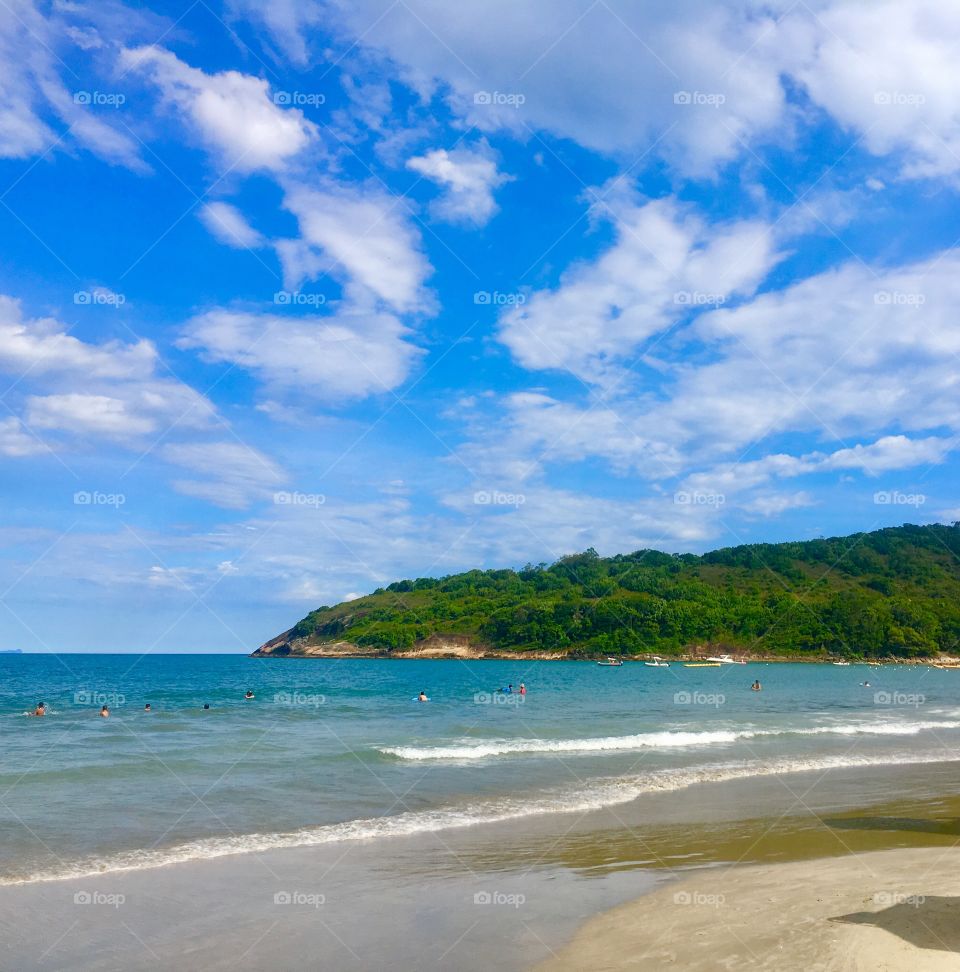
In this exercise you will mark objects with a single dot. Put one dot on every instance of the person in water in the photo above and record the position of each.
(422, 697)
(249, 694)
(206, 705)
(104, 713)
(146, 708)
(510, 689)
(757, 687)
(41, 709)
(523, 689)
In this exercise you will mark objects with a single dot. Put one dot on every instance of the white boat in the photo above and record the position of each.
(657, 662)
(842, 664)
(726, 660)
(611, 663)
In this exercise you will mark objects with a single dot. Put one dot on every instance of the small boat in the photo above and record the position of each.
(726, 660)
(842, 664)
(657, 662)
(611, 663)
(706, 664)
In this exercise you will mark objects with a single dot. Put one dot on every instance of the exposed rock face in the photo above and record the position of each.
(436, 646)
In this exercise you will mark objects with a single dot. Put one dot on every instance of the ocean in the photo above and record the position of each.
(333, 751)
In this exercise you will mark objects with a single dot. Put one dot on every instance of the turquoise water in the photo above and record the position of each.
(336, 749)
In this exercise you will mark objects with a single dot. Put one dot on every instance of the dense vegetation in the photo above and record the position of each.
(892, 592)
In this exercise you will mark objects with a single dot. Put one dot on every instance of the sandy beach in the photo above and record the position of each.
(885, 910)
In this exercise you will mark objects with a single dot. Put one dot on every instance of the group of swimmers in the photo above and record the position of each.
(41, 707)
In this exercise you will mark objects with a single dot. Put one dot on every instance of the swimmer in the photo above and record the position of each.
(206, 705)
(41, 709)
(523, 689)
(249, 694)
(510, 689)
(104, 713)
(147, 708)
(757, 687)
(422, 697)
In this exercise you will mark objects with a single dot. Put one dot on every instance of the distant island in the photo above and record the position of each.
(892, 593)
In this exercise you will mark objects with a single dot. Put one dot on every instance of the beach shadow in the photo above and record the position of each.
(919, 825)
(932, 923)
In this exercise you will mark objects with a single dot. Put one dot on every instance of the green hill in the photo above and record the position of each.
(893, 592)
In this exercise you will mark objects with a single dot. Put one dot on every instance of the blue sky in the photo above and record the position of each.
(298, 299)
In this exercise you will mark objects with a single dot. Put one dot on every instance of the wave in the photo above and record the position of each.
(647, 740)
(594, 796)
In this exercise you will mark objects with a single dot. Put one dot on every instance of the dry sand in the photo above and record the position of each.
(884, 911)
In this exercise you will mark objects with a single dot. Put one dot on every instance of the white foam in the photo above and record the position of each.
(489, 749)
(594, 796)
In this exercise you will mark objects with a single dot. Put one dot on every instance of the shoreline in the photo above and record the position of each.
(895, 910)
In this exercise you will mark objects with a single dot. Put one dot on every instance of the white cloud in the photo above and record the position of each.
(232, 112)
(361, 234)
(229, 226)
(113, 390)
(469, 177)
(15, 442)
(665, 261)
(235, 474)
(347, 355)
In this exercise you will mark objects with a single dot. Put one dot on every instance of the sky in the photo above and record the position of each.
(301, 298)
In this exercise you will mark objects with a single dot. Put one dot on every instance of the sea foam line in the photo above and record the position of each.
(602, 793)
(646, 740)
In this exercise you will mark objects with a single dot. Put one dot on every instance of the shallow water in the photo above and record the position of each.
(336, 749)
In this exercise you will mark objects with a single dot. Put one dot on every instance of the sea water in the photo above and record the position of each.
(337, 750)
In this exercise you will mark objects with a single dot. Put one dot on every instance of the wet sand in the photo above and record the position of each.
(896, 910)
